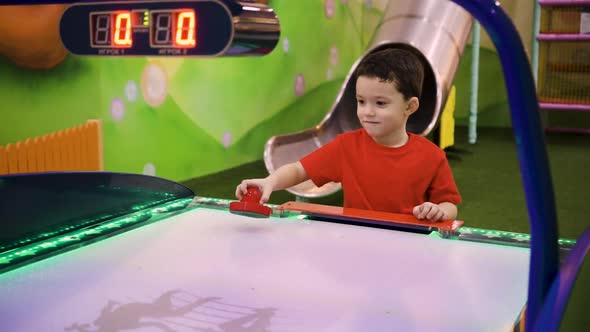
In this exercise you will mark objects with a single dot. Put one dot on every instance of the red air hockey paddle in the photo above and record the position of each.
(249, 205)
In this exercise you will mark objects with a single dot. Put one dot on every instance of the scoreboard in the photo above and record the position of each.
(203, 28)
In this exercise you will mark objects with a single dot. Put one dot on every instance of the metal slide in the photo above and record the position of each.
(437, 31)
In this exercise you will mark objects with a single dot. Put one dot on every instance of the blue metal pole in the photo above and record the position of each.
(530, 144)
(474, 84)
(531, 148)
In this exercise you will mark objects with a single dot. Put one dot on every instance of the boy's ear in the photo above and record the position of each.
(413, 105)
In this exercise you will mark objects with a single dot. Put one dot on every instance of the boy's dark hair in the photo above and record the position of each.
(399, 66)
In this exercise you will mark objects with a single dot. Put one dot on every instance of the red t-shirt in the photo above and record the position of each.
(380, 178)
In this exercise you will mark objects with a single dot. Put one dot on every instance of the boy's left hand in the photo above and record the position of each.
(429, 211)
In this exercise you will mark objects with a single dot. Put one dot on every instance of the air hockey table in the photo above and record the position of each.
(130, 252)
(124, 252)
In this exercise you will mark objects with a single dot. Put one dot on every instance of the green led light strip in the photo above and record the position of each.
(35, 248)
(482, 233)
(517, 237)
(34, 251)
(220, 202)
(223, 204)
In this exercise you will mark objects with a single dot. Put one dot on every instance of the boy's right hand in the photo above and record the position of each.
(265, 185)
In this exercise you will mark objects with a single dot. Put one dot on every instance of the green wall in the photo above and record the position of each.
(183, 118)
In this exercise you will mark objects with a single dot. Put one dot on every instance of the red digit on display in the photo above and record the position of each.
(122, 35)
(185, 28)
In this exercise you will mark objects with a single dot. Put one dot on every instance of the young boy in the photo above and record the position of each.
(380, 166)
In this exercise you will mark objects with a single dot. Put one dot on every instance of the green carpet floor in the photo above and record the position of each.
(488, 176)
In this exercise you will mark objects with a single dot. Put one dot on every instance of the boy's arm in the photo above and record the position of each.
(435, 212)
(449, 209)
(442, 189)
(288, 176)
(284, 177)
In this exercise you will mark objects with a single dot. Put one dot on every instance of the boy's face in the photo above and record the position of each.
(382, 109)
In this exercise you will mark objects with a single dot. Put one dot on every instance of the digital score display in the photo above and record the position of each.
(182, 28)
(176, 28)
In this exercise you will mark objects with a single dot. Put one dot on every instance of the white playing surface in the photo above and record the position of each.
(209, 270)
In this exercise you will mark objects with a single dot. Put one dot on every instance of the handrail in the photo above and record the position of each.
(552, 311)
(530, 144)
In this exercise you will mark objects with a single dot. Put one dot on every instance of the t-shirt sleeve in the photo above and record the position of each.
(324, 164)
(443, 187)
